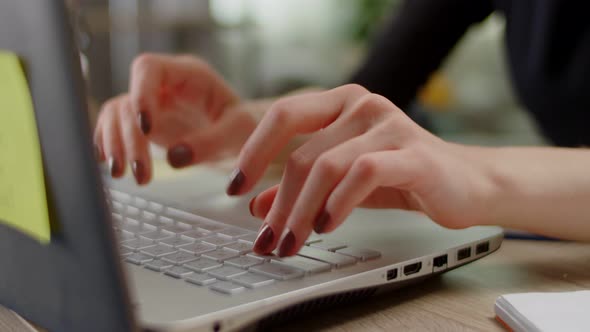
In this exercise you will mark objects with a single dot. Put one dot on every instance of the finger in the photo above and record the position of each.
(227, 134)
(261, 204)
(326, 173)
(97, 139)
(111, 140)
(287, 118)
(136, 145)
(395, 169)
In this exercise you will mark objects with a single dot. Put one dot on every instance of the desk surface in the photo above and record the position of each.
(461, 300)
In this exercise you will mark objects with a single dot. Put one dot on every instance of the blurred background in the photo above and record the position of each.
(268, 47)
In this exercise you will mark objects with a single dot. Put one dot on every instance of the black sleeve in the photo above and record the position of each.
(414, 44)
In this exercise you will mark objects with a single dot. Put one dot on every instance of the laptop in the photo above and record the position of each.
(176, 255)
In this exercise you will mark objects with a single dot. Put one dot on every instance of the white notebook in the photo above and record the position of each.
(546, 312)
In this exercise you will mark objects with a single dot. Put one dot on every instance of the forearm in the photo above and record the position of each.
(541, 190)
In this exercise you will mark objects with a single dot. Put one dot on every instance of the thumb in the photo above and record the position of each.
(227, 134)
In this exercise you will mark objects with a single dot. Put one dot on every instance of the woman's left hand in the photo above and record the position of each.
(363, 151)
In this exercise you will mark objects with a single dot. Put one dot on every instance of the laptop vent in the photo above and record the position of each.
(313, 305)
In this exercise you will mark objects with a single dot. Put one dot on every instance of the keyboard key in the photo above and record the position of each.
(244, 262)
(182, 215)
(333, 258)
(180, 257)
(166, 221)
(227, 287)
(266, 258)
(135, 226)
(310, 266)
(158, 265)
(201, 279)
(202, 265)
(117, 218)
(249, 238)
(195, 234)
(197, 248)
(177, 228)
(313, 238)
(139, 258)
(252, 280)
(132, 211)
(120, 196)
(157, 235)
(226, 272)
(148, 217)
(125, 252)
(177, 241)
(359, 253)
(277, 271)
(211, 227)
(140, 203)
(240, 247)
(124, 235)
(327, 245)
(234, 232)
(220, 254)
(217, 240)
(178, 272)
(158, 250)
(155, 207)
(137, 244)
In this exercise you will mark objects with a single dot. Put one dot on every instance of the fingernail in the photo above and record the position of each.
(287, 245)
(114, 167)
(180, 155)
(97, 153)
(321, 222)
(145, 123)
(236, 182)
(264, 241)
(138, 171)
(251, 206)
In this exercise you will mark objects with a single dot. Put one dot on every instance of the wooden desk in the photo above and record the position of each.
(461, 300)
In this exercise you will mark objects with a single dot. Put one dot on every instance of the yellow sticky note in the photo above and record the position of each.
(23, 198)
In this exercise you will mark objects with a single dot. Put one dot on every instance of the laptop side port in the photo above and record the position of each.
(482, 248)
(412, 268)
(463, 253)
(391, 274)
(439, 263)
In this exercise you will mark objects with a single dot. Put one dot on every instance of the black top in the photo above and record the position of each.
(548, 46)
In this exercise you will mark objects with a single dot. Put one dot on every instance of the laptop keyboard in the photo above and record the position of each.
(208, 253)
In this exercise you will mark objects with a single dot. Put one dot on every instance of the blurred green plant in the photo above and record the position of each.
(371, 14)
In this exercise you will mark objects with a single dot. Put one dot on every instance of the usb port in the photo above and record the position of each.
(412, 268)
(464, 253)
(391, 274)
(482, 247)
(440, 261)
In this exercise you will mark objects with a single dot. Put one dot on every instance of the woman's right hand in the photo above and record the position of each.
(178, 103)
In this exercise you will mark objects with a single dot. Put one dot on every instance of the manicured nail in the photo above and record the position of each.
(114, 167)
(180, 155)
(264, 241)
(251, 206)
(236, 182)
(287, 245)
(145, 123)
(322, 222)
(97, 153)
(139, 171)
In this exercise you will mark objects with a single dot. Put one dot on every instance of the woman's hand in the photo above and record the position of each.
(178, 103)
(364, 151)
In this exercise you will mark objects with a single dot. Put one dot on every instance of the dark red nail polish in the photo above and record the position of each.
(322, 222)
(237, 180)
(114, 167)
(145, 123)
(251, 206)
(264, 241)
(139, 172)
(180, 155)
(287, 245)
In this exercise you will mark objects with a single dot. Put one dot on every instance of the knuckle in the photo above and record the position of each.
(365, 167)
(298, 162)
(279, 111)
(355, 89)
(327, 165)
